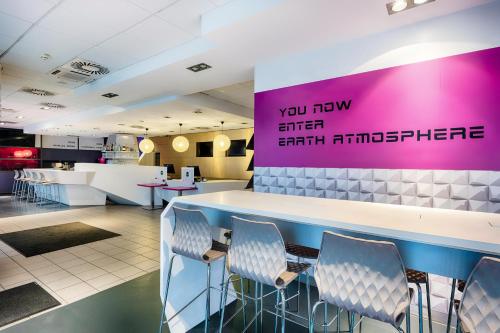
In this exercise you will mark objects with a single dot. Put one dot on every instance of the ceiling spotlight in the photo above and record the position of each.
(109, 95)
(399, 5)
(45, 108)
(199, 67)
(2, 123)
(20, 117)
(45, 56)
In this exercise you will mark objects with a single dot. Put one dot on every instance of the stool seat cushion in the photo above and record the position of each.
(416, 277)
(301, 251)
(293, 270)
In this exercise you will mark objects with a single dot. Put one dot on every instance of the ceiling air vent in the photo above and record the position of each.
(89, 67)
(78, 72)
(52, 105)
(38, 92)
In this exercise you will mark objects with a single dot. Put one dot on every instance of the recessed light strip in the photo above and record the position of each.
(398, 6)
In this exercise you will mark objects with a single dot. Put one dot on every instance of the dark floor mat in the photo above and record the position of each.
(37, 241)
(23, 301)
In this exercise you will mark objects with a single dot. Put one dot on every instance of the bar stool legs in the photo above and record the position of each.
(164, 304)
(207, 304)
(450, 309)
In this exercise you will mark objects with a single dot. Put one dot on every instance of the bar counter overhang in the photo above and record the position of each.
(439, 241)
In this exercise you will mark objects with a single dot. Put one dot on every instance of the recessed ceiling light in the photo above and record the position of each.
(121, 124)
(2, 123)
(45, 108)
(20, 117)
(141, 121)
(419, 2)
(167, 117)
(199, 67)
(399, 5)
(110, 95)
(197, 111)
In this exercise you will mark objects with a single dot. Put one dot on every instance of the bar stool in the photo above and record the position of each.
(302, 254)
(363, 277)
(479, 310)
(257, 252)
(418, 278)
(16, 181)
(192, 238)
(24, 184)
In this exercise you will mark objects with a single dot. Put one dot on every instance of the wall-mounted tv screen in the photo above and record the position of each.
(237, 148)
(205, 149)
(16, 138)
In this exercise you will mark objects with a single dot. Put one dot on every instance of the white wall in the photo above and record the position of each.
(469, 30)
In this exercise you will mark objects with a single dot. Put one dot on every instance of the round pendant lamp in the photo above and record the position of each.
(222, 141)
(146, 145)
(180, 143)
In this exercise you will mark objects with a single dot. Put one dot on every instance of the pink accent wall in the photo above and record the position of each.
(454, 92)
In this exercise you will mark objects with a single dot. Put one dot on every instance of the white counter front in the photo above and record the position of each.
(74, 187)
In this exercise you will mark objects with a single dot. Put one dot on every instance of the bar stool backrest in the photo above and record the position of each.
(480, 307)
(16, 174)
(364, 276)
(192, 236)
(257, 251)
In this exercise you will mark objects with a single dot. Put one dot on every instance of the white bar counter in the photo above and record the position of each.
(472, 231)
(74, 187)
(439, 241)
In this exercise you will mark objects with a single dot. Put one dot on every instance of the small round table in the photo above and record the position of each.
(152, 186)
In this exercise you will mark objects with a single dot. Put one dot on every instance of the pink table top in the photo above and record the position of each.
(151, 185)
(179, 188)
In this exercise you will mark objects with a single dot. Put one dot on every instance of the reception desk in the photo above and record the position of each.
(439, 241)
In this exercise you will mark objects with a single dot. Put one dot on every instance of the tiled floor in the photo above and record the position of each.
(10, 207)
(81, 271)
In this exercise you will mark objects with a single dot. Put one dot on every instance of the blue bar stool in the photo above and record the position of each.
(192, 238)
(363, 277)
(479, 310)
(257, 252)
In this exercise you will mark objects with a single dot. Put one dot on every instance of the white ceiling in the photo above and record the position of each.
(147, 45)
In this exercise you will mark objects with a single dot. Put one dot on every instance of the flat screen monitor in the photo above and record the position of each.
(205, 149)
(237, 148)
(196, 170)
(170, 168)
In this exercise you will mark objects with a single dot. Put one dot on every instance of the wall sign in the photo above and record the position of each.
(60, 142)
(85, 143)
(438, 114)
